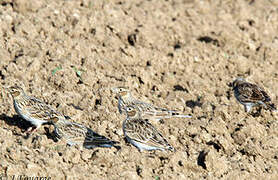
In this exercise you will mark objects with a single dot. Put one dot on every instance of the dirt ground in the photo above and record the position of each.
(178, 54)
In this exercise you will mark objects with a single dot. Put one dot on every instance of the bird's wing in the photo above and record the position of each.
(142, 131)
(252, 93)
(39, 110)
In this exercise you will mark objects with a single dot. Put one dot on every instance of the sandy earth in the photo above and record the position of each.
(177, 54)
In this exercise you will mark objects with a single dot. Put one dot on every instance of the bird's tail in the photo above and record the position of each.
(103, 144)
(165, 114)
(94, 140)
(271, 107)
(180, 115)
(171, 148)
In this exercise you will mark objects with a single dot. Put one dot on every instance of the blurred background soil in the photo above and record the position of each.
(179, 54)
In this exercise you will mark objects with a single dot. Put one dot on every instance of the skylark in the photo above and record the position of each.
(142, 134)
(251, 95)
(78, 134)
(32, 109)
(147, 110)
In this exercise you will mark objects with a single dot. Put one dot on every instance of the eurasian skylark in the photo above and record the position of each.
(147, 110)
(78, 134)
(251, 95)
(32, 109)
(142, 134)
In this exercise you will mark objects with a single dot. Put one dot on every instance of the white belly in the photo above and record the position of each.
(142, 146)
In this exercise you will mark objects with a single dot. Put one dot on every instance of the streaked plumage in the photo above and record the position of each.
(142, 134)
(78, 134)
(251, 95)
(32, 109)
(147, 110)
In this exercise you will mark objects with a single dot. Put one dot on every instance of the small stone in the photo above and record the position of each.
(86, 155)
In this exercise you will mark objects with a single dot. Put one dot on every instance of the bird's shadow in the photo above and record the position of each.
(193, 103)
(257, 112)
(24, 125)
(51, 135)
(17, 121)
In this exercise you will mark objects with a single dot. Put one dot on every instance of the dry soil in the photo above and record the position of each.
(178, 54)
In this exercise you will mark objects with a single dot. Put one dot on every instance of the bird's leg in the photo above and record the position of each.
(247, 108)
(32, 129)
